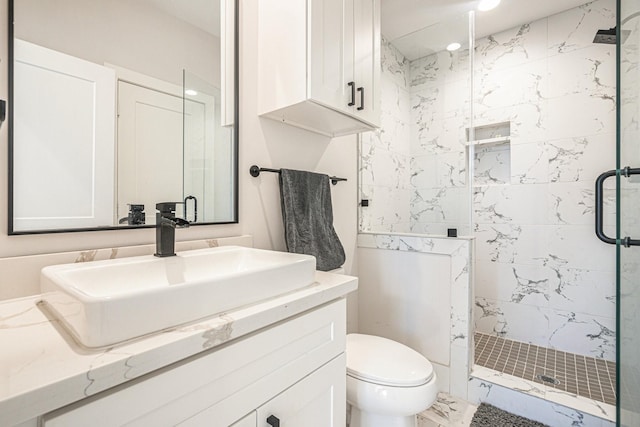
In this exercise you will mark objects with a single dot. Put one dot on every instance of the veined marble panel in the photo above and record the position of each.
(580, 114)
(591, 69)
(427, 112)
(537, 401)
(382, 167)
(580, 158)
(576, 246)
(518, 204)
(512, 47)
(573, 203)
(440, 67)
(439, 205)
(529, 121)
(512, 243)
(559, 288)
(447, 411)
(520, 84)
(516, 321)
(584, 334)
(574, 29)
(442, 135)
(424, 172)
(451, 169)
(427, 70)
(384, 154)
(529, 163)
(527, 284)
(388, 209)
(394, 64)
(492, 165)
(583, 291)
(573, 332)
(394, 133)
(439, 229)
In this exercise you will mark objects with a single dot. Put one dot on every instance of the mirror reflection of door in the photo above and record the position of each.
(207, 145)
(199, 141)
(149, 148)
(64, 120)
(165, 147)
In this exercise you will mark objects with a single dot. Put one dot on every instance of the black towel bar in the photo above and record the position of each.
(255, 171)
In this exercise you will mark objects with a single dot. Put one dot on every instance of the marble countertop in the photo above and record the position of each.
(42, 368)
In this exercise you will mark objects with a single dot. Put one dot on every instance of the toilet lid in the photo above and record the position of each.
(385, 362)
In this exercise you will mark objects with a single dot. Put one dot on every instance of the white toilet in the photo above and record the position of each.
(388, 383)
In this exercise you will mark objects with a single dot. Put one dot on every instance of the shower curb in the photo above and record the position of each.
(537, 401)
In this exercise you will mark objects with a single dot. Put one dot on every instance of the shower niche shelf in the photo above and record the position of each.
(491, 154)
(488, 142)
(491, 134)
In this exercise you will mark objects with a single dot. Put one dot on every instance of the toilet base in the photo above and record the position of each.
(368, 419)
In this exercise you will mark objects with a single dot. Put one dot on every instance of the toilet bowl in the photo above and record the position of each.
(388, 383)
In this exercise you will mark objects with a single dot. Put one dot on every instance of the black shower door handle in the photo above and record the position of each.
(626, 172)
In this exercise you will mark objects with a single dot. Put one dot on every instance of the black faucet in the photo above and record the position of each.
(166, 223)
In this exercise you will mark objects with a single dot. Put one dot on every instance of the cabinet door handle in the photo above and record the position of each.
(273, 421)
(361, 90)
(353, 94)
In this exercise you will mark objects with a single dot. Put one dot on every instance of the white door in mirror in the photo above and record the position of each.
(65, 139)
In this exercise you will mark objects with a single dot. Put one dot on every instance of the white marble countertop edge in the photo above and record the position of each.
(88, 372)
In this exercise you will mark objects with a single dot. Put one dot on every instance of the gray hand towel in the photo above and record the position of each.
(308, 218)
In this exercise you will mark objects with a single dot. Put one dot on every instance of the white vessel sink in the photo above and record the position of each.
(105, 302)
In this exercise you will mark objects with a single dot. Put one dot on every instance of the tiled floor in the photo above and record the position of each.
(584, 376)
(448, 411)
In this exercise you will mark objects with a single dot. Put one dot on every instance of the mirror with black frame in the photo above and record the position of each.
(116, 105)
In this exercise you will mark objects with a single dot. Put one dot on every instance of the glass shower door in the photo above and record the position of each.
(628, 213)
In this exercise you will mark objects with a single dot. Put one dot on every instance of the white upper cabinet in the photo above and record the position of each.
(319, 64)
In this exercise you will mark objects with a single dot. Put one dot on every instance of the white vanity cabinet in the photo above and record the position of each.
(293, 371)
(319, 64)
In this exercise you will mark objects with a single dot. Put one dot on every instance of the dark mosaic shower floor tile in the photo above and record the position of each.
(573, 373)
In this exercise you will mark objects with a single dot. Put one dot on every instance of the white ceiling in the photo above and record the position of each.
(420, 18)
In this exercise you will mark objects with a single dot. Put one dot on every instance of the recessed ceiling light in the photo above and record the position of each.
(453, 46)
(485, 5)
(190, 92)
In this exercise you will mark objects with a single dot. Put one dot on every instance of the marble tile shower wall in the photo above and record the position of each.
(542, 276)
(413, 170)
(440, 116)
(385, 154)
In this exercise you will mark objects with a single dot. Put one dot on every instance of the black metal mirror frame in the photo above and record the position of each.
(235, 133)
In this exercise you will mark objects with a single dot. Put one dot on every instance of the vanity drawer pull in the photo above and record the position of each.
(273, 421)
(361, 90)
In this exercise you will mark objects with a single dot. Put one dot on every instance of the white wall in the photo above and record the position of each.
(262, 141)
(146, 33)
